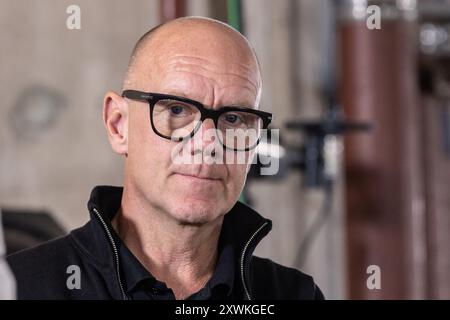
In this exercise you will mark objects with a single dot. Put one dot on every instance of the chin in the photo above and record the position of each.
(196, 212)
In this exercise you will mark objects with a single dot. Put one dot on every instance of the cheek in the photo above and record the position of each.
(237, 167)
(148, 153)
(237, 174)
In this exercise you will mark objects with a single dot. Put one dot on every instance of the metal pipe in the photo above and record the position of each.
(234, 14)
(171, 9)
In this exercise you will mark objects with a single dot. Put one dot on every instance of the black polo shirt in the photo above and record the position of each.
(140, 284)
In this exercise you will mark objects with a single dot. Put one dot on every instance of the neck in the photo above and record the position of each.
(183, 256)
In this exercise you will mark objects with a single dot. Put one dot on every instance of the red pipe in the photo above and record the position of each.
(171, 9)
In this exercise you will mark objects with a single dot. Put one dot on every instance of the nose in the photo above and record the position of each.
(208, 124)
(205, 138)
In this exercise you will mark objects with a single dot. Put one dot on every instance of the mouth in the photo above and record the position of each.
(198, 178)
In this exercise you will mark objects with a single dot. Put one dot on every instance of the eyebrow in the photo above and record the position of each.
(182, 94)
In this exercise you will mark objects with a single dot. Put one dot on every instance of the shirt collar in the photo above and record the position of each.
(225, 268)
(133, 272)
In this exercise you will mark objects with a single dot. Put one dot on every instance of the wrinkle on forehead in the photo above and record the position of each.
(213, 71)
(243, 67)
(187, 82)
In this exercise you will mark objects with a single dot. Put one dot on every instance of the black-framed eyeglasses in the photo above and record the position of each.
(178, 118)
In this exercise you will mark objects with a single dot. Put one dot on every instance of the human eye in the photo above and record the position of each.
(176, 109)
(179, 110)
(232, 118)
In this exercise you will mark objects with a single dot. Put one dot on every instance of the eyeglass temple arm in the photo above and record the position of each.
(136, 95)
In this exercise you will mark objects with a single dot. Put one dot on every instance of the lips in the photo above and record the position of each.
(205, 173)
(198, 177)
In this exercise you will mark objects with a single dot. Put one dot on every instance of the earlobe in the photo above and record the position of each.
(115, 119)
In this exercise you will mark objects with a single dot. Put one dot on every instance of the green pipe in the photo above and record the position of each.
(234, 14)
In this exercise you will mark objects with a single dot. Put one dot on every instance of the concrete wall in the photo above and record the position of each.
(54, 164)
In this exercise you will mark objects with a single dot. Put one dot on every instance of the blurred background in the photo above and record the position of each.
(362, 107)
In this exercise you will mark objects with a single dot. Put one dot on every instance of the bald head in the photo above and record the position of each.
(202, 38)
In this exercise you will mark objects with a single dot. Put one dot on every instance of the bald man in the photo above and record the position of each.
(175, 230)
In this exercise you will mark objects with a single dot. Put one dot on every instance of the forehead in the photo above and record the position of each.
(210, 83)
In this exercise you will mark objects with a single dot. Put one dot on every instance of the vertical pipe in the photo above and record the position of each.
(384, 187)
(171, 9)
(234, 14)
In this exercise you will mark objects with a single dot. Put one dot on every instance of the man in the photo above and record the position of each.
(175, 230)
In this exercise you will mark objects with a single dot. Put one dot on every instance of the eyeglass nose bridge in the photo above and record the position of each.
(205, 114)
(210, 114)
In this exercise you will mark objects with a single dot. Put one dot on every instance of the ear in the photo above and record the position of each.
(115, 119)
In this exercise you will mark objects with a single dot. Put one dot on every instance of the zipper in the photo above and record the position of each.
(243, 259)
(113, 245)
